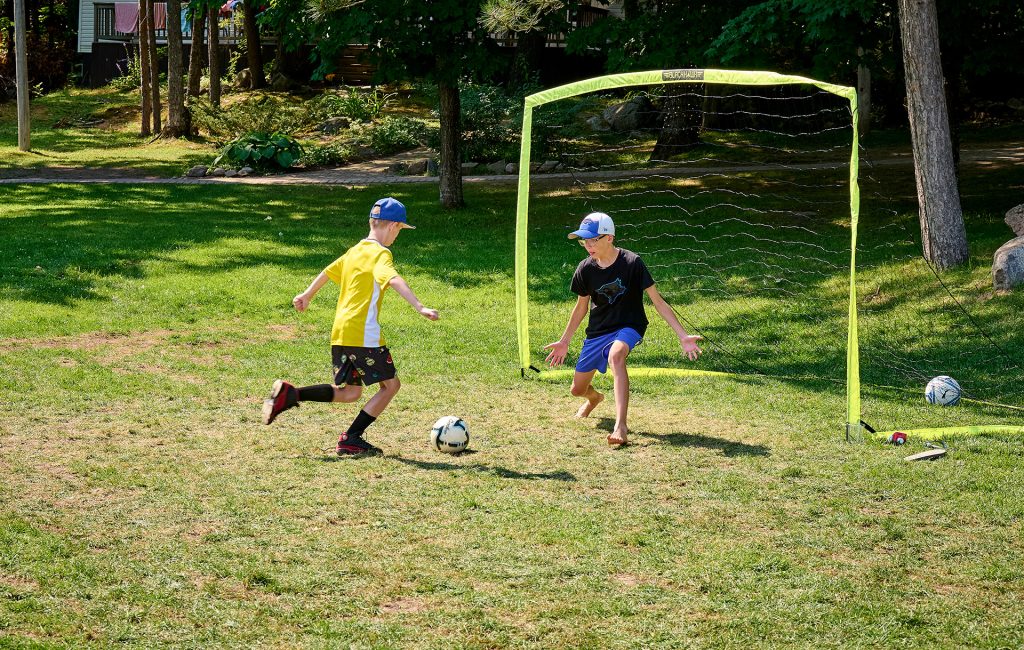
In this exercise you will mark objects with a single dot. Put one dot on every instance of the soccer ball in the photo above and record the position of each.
(450, 435)
(942, 390)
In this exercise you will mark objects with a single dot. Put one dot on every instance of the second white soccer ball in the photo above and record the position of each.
(942, 390)
(450, 435)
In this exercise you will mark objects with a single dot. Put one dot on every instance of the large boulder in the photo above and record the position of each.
(1008, 265)
(1015, 220)
(335, 125)
(637, 113)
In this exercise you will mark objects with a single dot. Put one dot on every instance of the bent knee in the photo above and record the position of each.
(578, 391)
(391, 385)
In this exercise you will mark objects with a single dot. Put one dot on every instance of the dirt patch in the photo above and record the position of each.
(403, 605)
(125, 343)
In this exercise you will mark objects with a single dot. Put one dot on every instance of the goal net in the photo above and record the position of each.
(742, 192)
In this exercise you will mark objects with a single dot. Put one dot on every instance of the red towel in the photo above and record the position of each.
(160, 14)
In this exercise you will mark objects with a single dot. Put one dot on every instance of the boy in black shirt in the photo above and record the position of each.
(615, 280)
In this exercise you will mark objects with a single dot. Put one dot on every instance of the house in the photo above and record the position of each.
(108, 35)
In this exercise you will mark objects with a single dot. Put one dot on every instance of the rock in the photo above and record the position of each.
(1008, 265)
(417, 168)
(246, 170)
(397, 168)
(230, 173)
(335, 125)
(468, 167)
(219, 171)
(197, 171)
(497, 167)
(243, 79)
(548, 166)
(597, 123)
(512, 168)
(1016, 104)
(1015, 220)
(535, 167)
(432, 167)
(630, 115)
(281, 83)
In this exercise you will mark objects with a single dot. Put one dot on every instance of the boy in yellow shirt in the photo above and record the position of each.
(359, 353)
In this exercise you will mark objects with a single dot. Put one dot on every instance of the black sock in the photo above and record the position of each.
(318, 393)
(359, 425)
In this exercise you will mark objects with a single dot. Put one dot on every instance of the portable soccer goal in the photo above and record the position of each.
(742, 191)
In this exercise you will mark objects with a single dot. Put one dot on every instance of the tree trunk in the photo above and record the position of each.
(451, 131)
(195, 55)
(177, 117)
(252, 46)
(145, 70)
(683, 115)
(214, 58)
(154, 63)
(943, 236)
(526, 61)
(863, 95)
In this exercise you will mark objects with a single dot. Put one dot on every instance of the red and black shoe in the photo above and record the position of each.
(353, 445)
(283, 396)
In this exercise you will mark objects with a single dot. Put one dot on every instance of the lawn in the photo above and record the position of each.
(142, 503)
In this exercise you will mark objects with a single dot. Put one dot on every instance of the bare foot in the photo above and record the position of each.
(590, 405)
(618, 437)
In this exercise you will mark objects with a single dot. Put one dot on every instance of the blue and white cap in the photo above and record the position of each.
(594, 224)
(390, 209)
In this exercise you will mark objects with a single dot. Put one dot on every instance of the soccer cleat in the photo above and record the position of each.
(283, 396)
(353, 445)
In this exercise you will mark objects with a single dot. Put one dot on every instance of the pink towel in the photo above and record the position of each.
(126, 17)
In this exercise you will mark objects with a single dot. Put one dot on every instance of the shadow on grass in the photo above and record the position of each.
(500, 472)
(727, 447)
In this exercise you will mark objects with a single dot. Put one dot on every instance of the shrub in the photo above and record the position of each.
(394, 134)
(362, 107)
(328, 154)
(130, 77)
(491, 119)
(261, 150)
(254, 114)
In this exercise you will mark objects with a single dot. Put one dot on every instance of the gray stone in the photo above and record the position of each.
(242, 172)
(468, 167)
(243, 79)
(335, 125)
(1008, 265)
(280, 83)
(1015, 220)
(512, 168)
(219, 171)
(432, 167)
(398, 168)
(246, 170)
(535, 167)
(548, 166)
(197, 171)
(597, 123)
(417, 168)
(497, 167)
(230, 173)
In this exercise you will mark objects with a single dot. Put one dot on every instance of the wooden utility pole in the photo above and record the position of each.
(21, 74)
(943, 235)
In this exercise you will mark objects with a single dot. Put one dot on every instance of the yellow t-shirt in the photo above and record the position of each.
(362, 273)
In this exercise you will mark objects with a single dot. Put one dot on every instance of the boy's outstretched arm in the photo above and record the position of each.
(560, 348)
(402, 287)
(688, 342)
(302, 300)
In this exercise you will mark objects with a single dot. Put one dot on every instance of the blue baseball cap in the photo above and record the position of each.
(390, 209)
(594, 224)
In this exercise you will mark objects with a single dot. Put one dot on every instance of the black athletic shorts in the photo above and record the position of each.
(357, 366)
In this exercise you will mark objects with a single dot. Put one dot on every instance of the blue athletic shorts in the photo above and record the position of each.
(594, 355)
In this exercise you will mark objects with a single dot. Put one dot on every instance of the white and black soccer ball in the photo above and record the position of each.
(942, 390)
(450, 435)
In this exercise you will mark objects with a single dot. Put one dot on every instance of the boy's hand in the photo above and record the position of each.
(690, 348)
(300, 302)
(558, 352)
(430, 314)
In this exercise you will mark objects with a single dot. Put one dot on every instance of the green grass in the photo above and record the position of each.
(142, 504)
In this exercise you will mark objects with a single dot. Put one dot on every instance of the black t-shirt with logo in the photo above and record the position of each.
(616, 293)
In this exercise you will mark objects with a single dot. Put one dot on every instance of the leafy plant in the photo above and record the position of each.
(130, 77)
(255, 114)
(364, 107)
(262, 150)
(317, 155)
(394, 134)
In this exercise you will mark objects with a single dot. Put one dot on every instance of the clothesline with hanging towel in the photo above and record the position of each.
(126, 16)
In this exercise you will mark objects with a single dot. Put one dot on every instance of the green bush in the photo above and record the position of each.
(317, 155)
(261, 151)
(254, 114)
(394, 134)
(131, 75)
(356, 106)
